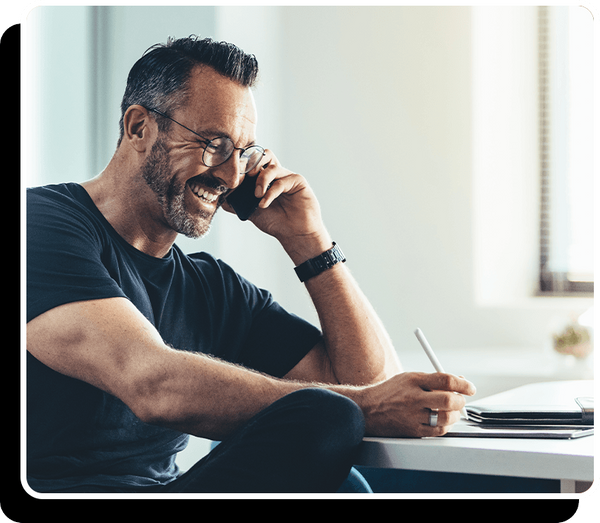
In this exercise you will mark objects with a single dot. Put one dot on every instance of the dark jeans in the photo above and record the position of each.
(302, 443)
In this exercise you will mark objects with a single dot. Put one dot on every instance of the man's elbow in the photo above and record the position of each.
(158, 402)
(388, 370)
(169, 411)
(149, 399)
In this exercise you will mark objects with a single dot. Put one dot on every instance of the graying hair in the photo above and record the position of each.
(158, 80)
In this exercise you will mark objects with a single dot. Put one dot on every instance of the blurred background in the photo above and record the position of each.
(450, 149)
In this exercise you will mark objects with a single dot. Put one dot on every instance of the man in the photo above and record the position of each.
(133, 345)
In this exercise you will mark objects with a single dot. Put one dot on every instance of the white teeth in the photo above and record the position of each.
(208, 196)
(204, 194)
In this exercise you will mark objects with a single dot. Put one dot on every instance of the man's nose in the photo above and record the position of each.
(229, 173)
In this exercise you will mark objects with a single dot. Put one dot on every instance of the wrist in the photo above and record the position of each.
(303, 248)
(361, 395)
(320, 263)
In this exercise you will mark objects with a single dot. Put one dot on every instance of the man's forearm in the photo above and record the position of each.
(357, 344)
(110, 345)
(208, 397)
(212, 399)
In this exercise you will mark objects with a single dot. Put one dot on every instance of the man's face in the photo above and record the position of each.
(188, 192)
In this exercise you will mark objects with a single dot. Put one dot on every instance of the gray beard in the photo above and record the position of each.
(171, 194)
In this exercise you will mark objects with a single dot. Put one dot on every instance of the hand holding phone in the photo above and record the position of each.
(242, 199)
(287, 210)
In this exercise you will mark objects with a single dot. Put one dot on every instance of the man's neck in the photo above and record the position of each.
(124, 206)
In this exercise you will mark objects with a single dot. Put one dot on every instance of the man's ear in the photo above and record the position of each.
(139, 129)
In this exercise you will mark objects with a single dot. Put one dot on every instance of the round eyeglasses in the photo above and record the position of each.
(218, 150)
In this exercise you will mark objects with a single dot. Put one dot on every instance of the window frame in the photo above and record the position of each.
(551, 283)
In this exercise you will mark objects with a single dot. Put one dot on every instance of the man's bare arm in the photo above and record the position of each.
(111, 345)
(356, 344)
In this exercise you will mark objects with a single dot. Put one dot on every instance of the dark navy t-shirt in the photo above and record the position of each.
(76, 433)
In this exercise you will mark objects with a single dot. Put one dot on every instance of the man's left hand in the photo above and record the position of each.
(288, 210)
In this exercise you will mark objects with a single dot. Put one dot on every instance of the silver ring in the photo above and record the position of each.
(433, 418)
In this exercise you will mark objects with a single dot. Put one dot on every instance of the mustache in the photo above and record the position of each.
(210, 182)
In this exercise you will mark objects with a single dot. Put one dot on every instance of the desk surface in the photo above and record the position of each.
(534, 458)
(548, 459)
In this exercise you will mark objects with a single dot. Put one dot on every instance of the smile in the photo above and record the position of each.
(202, 193)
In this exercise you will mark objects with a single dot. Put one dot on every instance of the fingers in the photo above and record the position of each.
(436, 422)
(287, 185)
(408, 399)
(449, 382)
(440, 395)
(273, 180)
(265, 171)
(444, 418)
(443, 401)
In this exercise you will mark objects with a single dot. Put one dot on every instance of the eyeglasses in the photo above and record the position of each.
(219, 150)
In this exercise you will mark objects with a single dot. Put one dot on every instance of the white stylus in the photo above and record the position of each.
(433, 358)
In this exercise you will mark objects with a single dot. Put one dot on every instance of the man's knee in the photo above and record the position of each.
(304, 442)
(332, 421)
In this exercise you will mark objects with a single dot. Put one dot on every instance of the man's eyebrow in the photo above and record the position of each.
(202, 133)
(210, 133)
(213, 132)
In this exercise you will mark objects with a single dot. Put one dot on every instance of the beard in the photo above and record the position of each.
(170, 193)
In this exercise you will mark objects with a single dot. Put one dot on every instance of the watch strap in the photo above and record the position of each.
(318, 264)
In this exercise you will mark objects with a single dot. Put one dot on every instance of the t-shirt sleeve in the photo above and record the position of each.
(283, 338)
(63, 255)
(276, 340)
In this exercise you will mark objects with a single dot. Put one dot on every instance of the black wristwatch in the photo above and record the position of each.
(321, 263)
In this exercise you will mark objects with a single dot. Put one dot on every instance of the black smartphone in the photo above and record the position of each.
(242, 199)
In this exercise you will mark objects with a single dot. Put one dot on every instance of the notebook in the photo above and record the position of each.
(562, 410)
(470, 429)
(579, 411)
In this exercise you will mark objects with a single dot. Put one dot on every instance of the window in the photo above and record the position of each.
(566, 151)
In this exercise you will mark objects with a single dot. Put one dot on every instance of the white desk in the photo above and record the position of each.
(570, 461)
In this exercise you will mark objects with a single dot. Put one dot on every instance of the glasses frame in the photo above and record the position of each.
(208, 142)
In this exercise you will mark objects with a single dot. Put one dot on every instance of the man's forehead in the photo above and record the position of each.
(209, 88)
(214, 101)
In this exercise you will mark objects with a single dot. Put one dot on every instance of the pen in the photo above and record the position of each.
(433, 358)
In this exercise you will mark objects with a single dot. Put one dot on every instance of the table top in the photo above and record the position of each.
(539, 458)
(550, 459)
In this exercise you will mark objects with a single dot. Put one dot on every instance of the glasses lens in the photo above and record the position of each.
(217, 151)
(250, 158)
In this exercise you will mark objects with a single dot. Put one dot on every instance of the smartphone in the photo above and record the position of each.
(242, 198)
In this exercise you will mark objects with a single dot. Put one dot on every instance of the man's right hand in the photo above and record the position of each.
(401, 405)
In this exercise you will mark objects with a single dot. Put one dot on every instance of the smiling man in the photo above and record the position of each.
(133, 345)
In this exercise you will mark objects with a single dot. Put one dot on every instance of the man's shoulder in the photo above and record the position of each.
(63, 192)
(57, 209)
(54, 197)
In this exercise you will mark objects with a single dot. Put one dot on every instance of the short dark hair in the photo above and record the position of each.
(158, 80)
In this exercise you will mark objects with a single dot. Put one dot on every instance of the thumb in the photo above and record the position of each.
(449, 382)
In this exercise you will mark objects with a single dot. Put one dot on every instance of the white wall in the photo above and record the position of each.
(383, 97)
(56, 113)
(449, 158)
